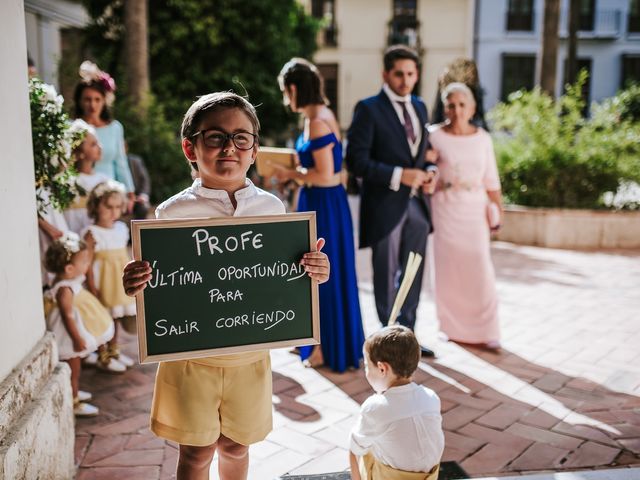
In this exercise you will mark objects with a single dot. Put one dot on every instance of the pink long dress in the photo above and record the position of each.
(465, 290)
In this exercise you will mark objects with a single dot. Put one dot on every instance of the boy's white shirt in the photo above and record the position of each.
(197, 201)
(401, 427)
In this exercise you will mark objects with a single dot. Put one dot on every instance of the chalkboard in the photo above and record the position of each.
(225, 285)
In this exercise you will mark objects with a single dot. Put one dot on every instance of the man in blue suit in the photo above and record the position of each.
(387, 146)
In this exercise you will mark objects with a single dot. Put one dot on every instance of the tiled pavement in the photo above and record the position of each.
(563, 395)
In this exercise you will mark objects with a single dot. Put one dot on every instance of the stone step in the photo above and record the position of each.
(448, 471)
(609, 474)
(321, 476)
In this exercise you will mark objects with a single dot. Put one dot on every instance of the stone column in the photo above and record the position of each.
(36, 416)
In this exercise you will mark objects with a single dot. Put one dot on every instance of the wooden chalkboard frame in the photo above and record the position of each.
(138, 225)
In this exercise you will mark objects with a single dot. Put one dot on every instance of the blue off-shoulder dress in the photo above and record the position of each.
(341, 331)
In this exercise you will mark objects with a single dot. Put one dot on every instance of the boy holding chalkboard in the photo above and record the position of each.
(218, 403)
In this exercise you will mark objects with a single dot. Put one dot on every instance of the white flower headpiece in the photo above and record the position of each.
(71, 243)
(81, 127)
(89, 73)
(107, 187)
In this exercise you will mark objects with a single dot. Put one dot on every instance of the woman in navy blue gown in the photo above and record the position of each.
(320, 154)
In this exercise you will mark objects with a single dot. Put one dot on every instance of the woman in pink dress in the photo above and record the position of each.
(466, 205)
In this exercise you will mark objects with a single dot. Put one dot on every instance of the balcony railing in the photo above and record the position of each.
(330, 34)
(607, 24)
(327, 36)
(403, 31)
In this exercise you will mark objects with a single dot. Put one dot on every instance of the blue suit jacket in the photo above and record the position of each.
(376, 144)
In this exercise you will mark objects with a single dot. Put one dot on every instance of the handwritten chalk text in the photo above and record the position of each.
(276, 269)
(163, 329)
(267, 319)
(177, 277)
(231, 296)
(230, 244)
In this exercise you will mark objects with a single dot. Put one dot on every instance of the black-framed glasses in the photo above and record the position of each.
(217, 139)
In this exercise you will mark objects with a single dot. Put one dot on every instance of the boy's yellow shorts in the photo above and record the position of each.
(373, 469)
(193, 403)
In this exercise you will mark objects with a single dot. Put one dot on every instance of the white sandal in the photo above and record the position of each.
(111, 365)
(126, 360)
(84, 396)
(82, 409)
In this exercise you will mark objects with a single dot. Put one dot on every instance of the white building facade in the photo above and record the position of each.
(46, 22)
(356, 33)
(508, 40)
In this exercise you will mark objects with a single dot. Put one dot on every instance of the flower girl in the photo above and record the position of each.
(105, 206)
(76, 318)
(86, 155)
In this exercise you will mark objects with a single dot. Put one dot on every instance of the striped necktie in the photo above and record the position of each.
(408, 125)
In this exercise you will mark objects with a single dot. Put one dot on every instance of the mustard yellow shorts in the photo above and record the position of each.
(373, 469)
(193, 403)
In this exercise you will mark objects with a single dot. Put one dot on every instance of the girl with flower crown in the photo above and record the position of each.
(105, 205)
(93, 98)
(76, 318)
(86, 155)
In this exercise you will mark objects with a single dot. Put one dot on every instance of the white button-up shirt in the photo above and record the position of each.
(415, 122)
(402, 428)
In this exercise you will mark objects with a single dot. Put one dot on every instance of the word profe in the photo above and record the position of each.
(232, 243)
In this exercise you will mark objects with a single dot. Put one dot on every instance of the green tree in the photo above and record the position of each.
(197, 47)
(549, 155)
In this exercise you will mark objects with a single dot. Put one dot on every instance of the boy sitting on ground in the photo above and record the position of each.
(399, 431)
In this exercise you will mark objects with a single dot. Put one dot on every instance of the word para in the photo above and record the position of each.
(231, 244)
(231, 296)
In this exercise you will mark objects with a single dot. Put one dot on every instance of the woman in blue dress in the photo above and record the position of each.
(320, 154)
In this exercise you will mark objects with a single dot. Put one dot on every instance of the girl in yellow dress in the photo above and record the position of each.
(77, 319)
(105, 205)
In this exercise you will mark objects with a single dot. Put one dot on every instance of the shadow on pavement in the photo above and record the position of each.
(505, 414)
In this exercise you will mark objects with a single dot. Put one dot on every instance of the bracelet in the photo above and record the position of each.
(302, 171)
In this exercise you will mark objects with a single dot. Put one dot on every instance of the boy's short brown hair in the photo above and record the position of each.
(396, 345)
(212, 102)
